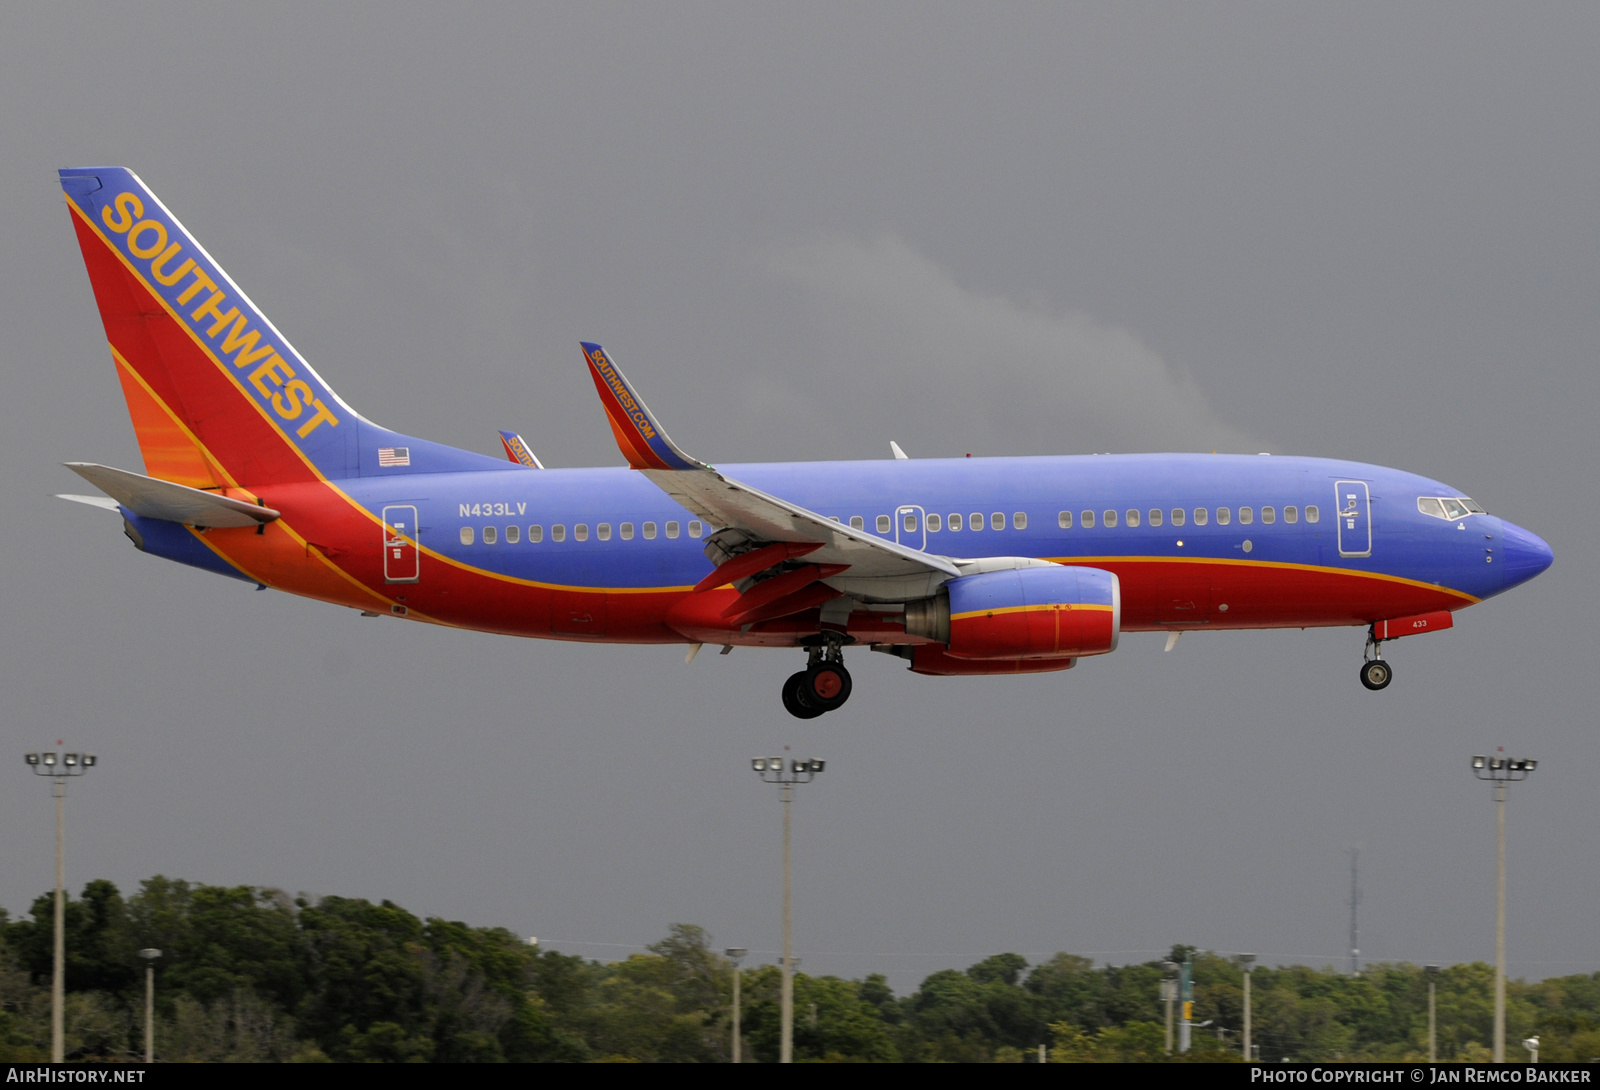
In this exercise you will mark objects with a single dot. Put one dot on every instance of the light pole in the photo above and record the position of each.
(1169, 993)
(736, 954)
(1433, 1013)
(1500, 771)
(149, 954)
(786, 775)
(1186, 997)
(1248, 961)
(59, 767)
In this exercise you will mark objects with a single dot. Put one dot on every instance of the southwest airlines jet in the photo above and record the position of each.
(256, 469)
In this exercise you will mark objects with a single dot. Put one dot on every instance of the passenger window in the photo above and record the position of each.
(672, 530)
(857, 523)
(1110, 517)
(580, 532)
(1019, 520)
(536, 534)
(883, 524)
(997, 521)
(603, 531)
(1177, 516)
(1064, 520)
(695, 529)
(909, 522)
(955, 522)
(467, 535)
(1086, 519)
(558, 533)
(1132, 516)
(649, 531)
(935, 523)
(513, 534)
(1269, 515)
(1247, 515)
(974, 521)
(1224, 516)
(627, 531)
(1201, 516)
(1312, 514)
(1291, 515)
(1155, 516)
(489, 535)
(1428, 505)
(835, 518)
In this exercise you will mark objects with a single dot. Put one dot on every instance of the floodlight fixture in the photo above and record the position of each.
(33, 758)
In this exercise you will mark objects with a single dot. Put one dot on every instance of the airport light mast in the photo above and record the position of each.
(786, 774)
(59, 767)
(1500, 771)
(736, 954)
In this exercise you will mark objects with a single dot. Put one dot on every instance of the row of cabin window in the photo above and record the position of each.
(1179, 516)
(580, 532)
(936, 522)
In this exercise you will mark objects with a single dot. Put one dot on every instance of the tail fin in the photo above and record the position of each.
(217, 395)
(519, 451)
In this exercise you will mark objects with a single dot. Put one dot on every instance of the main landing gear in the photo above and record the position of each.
(1375, 673)
(823, 686)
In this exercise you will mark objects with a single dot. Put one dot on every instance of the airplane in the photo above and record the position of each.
(256, 469)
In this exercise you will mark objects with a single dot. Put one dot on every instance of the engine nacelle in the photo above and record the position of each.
(1028, 613)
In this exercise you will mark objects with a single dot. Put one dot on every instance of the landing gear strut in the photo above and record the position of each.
(823, 686)
(1375, 673)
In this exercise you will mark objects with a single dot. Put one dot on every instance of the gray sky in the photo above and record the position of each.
(1353, 231)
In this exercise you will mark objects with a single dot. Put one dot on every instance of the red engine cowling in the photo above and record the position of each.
(929, 659)
(1053, 613)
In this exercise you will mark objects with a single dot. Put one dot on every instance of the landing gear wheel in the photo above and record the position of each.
(827, 686)
(1376, 674)
(794, 701)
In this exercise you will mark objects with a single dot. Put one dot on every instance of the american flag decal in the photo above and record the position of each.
(394, 456)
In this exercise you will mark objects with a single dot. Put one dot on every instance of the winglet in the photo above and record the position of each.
(518, 451)
(643, 442)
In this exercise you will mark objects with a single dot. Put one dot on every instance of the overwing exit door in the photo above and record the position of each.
(400, 561)
(911, 526)
(1354, 507)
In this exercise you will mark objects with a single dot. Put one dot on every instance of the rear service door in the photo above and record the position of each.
(400, 561)
(1353, 503)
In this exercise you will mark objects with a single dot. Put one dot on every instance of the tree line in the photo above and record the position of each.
(251, 974)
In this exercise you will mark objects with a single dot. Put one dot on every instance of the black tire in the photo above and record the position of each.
(827, 686)
(794, 701)
(1376, 674)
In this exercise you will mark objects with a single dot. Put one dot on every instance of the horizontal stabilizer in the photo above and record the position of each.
(104, 502)
(151, 498)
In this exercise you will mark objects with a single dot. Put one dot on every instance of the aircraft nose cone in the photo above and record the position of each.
(1523, 555)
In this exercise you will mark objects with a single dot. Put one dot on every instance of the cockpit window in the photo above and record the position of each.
(1448, 507)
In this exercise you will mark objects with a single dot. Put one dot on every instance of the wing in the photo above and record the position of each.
(750, 519)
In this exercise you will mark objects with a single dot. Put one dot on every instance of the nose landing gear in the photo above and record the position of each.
(823, 686)
(1375, 673)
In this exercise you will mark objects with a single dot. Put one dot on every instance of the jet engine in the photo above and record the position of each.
(1028, 614)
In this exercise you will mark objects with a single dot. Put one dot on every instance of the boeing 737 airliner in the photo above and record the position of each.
(256, 469)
